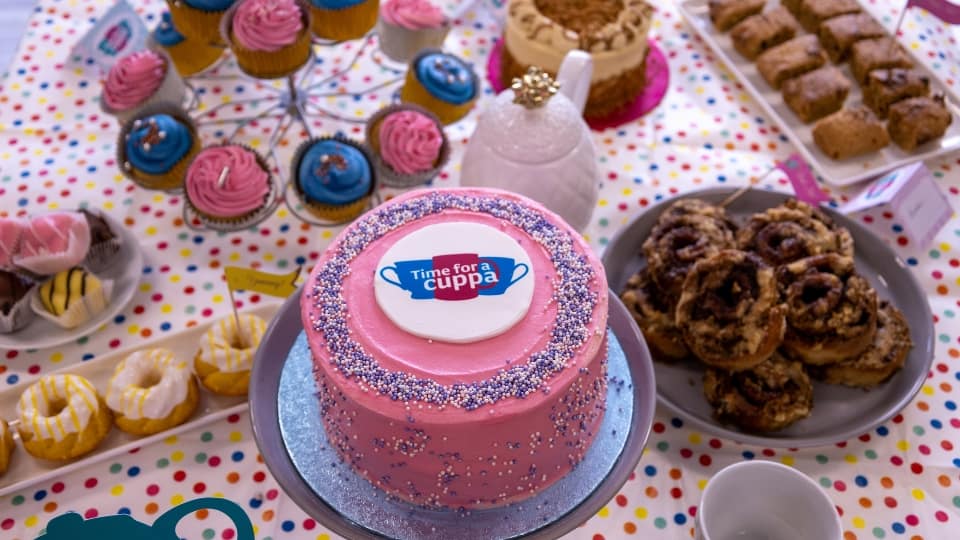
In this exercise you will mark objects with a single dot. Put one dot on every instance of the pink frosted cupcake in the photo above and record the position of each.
(270, 38)
(140, 79)
(53, 242)
(408, 145)
(409, 26)
(229, 187)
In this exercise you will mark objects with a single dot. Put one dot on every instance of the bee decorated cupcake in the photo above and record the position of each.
(155, 147)
(441, 83)
(334, 178)
(188, 56)
(270, 38)
(71, 297)
(340, 20)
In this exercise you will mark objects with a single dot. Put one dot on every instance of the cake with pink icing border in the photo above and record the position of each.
(406, 27)
(140, 79)
(270, 38)
(459, 347)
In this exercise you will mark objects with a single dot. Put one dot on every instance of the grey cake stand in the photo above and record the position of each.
(287, 427)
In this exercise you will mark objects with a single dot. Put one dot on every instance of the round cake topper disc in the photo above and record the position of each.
(455, 282)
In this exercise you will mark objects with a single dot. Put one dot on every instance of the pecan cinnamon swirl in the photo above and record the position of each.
(831, 310)
(884, 357)
(689, 230)
(768, 397)
(730, 311)
(792, 231)
(654, 312)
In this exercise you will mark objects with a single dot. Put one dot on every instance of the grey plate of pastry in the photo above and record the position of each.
(824, 70)
(772, 322)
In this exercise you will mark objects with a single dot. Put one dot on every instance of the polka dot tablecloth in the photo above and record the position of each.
(901, 479)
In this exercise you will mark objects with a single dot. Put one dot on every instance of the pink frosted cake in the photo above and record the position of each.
(458, 340)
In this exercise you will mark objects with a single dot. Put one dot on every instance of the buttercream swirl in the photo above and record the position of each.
(210, 5)
(133, 79)
(410, 142)
(267, 25)
(412, 14)
(245, 186)
(334, 172)
(336, 4)
(166, 33)
(446, 77)
(157, 143)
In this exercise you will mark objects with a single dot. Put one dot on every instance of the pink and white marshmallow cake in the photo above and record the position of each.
(459, 346)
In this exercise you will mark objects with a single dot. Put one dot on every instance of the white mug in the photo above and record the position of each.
(763, 500)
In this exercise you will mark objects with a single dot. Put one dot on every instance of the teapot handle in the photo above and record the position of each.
(574, 77)
(168, 521)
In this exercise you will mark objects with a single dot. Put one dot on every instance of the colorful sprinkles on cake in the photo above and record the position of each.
(572, 293)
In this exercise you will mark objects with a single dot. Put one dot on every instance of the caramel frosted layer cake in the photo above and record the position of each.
(541, 32)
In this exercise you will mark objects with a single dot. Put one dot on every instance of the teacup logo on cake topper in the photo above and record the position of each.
(457, 276)
(455, 281)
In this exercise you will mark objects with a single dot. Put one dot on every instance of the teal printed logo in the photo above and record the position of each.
(116, 38)
(458, 276)
(72, 526)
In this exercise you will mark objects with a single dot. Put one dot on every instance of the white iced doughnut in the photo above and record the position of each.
(148, 384)
(230, 348)
(56, 406)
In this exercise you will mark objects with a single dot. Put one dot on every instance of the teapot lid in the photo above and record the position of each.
(531, 122)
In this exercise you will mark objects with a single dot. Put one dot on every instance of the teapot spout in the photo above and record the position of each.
(574, 77)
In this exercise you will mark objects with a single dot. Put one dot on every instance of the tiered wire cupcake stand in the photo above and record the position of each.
(302, 98)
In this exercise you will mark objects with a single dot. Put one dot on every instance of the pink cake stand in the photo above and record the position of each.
(657, 76)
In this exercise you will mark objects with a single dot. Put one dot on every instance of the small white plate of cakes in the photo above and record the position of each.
(68, 273)
(91, 411)
(772, 322)
(854, 101)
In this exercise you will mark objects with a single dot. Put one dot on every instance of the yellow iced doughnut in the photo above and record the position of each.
(62, 417)
(6, 446)
(226, 354)
(151, 391)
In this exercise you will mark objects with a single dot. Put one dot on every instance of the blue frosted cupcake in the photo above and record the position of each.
(340, 20)
(189, 56)
(199, 20)
(333, 177)
(156, 146)
(441, 83)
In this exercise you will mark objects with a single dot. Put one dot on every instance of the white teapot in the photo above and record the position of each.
(533, 141)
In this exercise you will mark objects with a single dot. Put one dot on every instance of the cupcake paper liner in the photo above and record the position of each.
(78, 313)
(342, 24)
(402, 44)
(196, 24)
(172, 180)
(189, 56)
(414, 91)
(20, 314)
(385, 173)
(333, 212)
(229, 224)
(102, 255)
(269, 64)
(171, 90)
